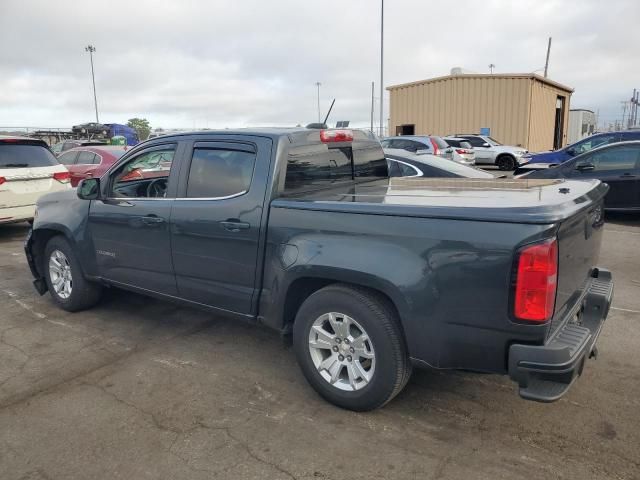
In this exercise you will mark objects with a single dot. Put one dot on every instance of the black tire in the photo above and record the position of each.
(506, 162)
(84, 294)
(380, 320)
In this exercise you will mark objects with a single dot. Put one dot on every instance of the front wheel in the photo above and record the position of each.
(350, 347)
(506, 162)
(66, 283)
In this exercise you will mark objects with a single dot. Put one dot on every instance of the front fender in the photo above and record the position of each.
(65, 214)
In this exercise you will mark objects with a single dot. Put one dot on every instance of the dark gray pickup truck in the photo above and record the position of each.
(303, 231)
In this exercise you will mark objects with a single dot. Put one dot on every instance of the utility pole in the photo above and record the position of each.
(381, 68)
(624, 111)
(491, 67)
(318, 85)
(634, 109)
(546, 63)
(372, 104)
(91, 49)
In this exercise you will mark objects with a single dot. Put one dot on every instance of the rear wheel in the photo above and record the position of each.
(350, 347)
(506, 162)
(66, 283)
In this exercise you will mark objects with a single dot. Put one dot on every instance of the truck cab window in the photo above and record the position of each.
(219, 173)
(145, 175)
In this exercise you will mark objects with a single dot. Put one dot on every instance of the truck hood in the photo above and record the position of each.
(537, 201)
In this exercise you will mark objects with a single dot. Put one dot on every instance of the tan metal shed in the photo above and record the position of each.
(519, 109)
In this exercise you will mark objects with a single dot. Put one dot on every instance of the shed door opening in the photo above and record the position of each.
(558, 131)
(406, 129)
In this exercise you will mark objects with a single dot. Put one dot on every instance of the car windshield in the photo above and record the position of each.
(493, 141)
(25, 156)
(588, 144)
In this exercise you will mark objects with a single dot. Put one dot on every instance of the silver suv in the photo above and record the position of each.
(491, 152)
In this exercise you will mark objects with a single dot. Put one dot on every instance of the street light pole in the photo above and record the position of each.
(381, 68)
(91, 49)
(319, 117)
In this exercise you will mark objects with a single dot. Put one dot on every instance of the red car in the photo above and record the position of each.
(90, 161)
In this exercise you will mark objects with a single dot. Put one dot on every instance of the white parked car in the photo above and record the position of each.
(28, 170)
(491, 152)
(463, 152)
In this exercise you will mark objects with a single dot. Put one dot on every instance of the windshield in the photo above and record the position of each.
(493, 141)
(590, 143)
(25, 156)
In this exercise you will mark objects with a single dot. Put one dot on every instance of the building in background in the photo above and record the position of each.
(582, 123)
(517, 109)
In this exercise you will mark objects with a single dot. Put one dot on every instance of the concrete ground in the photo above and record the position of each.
(137, 388)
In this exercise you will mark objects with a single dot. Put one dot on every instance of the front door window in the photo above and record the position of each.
(144, 176)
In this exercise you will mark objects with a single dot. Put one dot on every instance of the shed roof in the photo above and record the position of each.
(532, 76)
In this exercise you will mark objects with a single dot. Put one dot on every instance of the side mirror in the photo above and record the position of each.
(584, 167)
(571, 152)
(89, 189)
(486, 145)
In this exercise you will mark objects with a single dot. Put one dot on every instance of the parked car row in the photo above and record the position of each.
(468, 149)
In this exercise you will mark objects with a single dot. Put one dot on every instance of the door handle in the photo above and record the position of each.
(627, 175)
(152, 220)
(235, 225)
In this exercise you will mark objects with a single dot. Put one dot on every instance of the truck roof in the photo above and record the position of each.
(294, 133)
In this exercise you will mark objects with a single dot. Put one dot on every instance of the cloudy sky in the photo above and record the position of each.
(222, 63)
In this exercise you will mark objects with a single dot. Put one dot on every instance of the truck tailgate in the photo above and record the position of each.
(579, 239)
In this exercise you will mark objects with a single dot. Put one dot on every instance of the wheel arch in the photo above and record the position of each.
(302, 287)
(39, 239)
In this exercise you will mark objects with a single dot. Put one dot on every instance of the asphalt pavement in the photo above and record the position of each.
(137, 388)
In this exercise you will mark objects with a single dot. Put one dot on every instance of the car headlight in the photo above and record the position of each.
(520, 153)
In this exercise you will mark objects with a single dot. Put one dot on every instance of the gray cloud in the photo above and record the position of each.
(246, 62)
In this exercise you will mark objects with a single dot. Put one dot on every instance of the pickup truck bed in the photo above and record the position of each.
(371, 276)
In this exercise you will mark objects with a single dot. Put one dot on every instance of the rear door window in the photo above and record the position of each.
(25, 156)
(623, 158)
(86, 158)
(220, 173)
(475, 141)
(68, 158)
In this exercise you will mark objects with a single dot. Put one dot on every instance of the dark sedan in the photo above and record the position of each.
(617, 164)
(406, 164)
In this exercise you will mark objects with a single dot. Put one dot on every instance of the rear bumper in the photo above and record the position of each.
(17, 214)
(544, 373)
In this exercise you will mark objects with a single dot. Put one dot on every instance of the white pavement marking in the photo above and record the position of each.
(622, 231)
(625, 310)
(27, 307)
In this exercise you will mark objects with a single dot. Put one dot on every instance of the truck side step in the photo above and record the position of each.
(541, 390)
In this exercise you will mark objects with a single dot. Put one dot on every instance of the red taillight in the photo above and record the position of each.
(9, 140)
(2, 180)
(436, 150)
(536, 282)
(62, 177)
(333, 136)
(461, 151)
